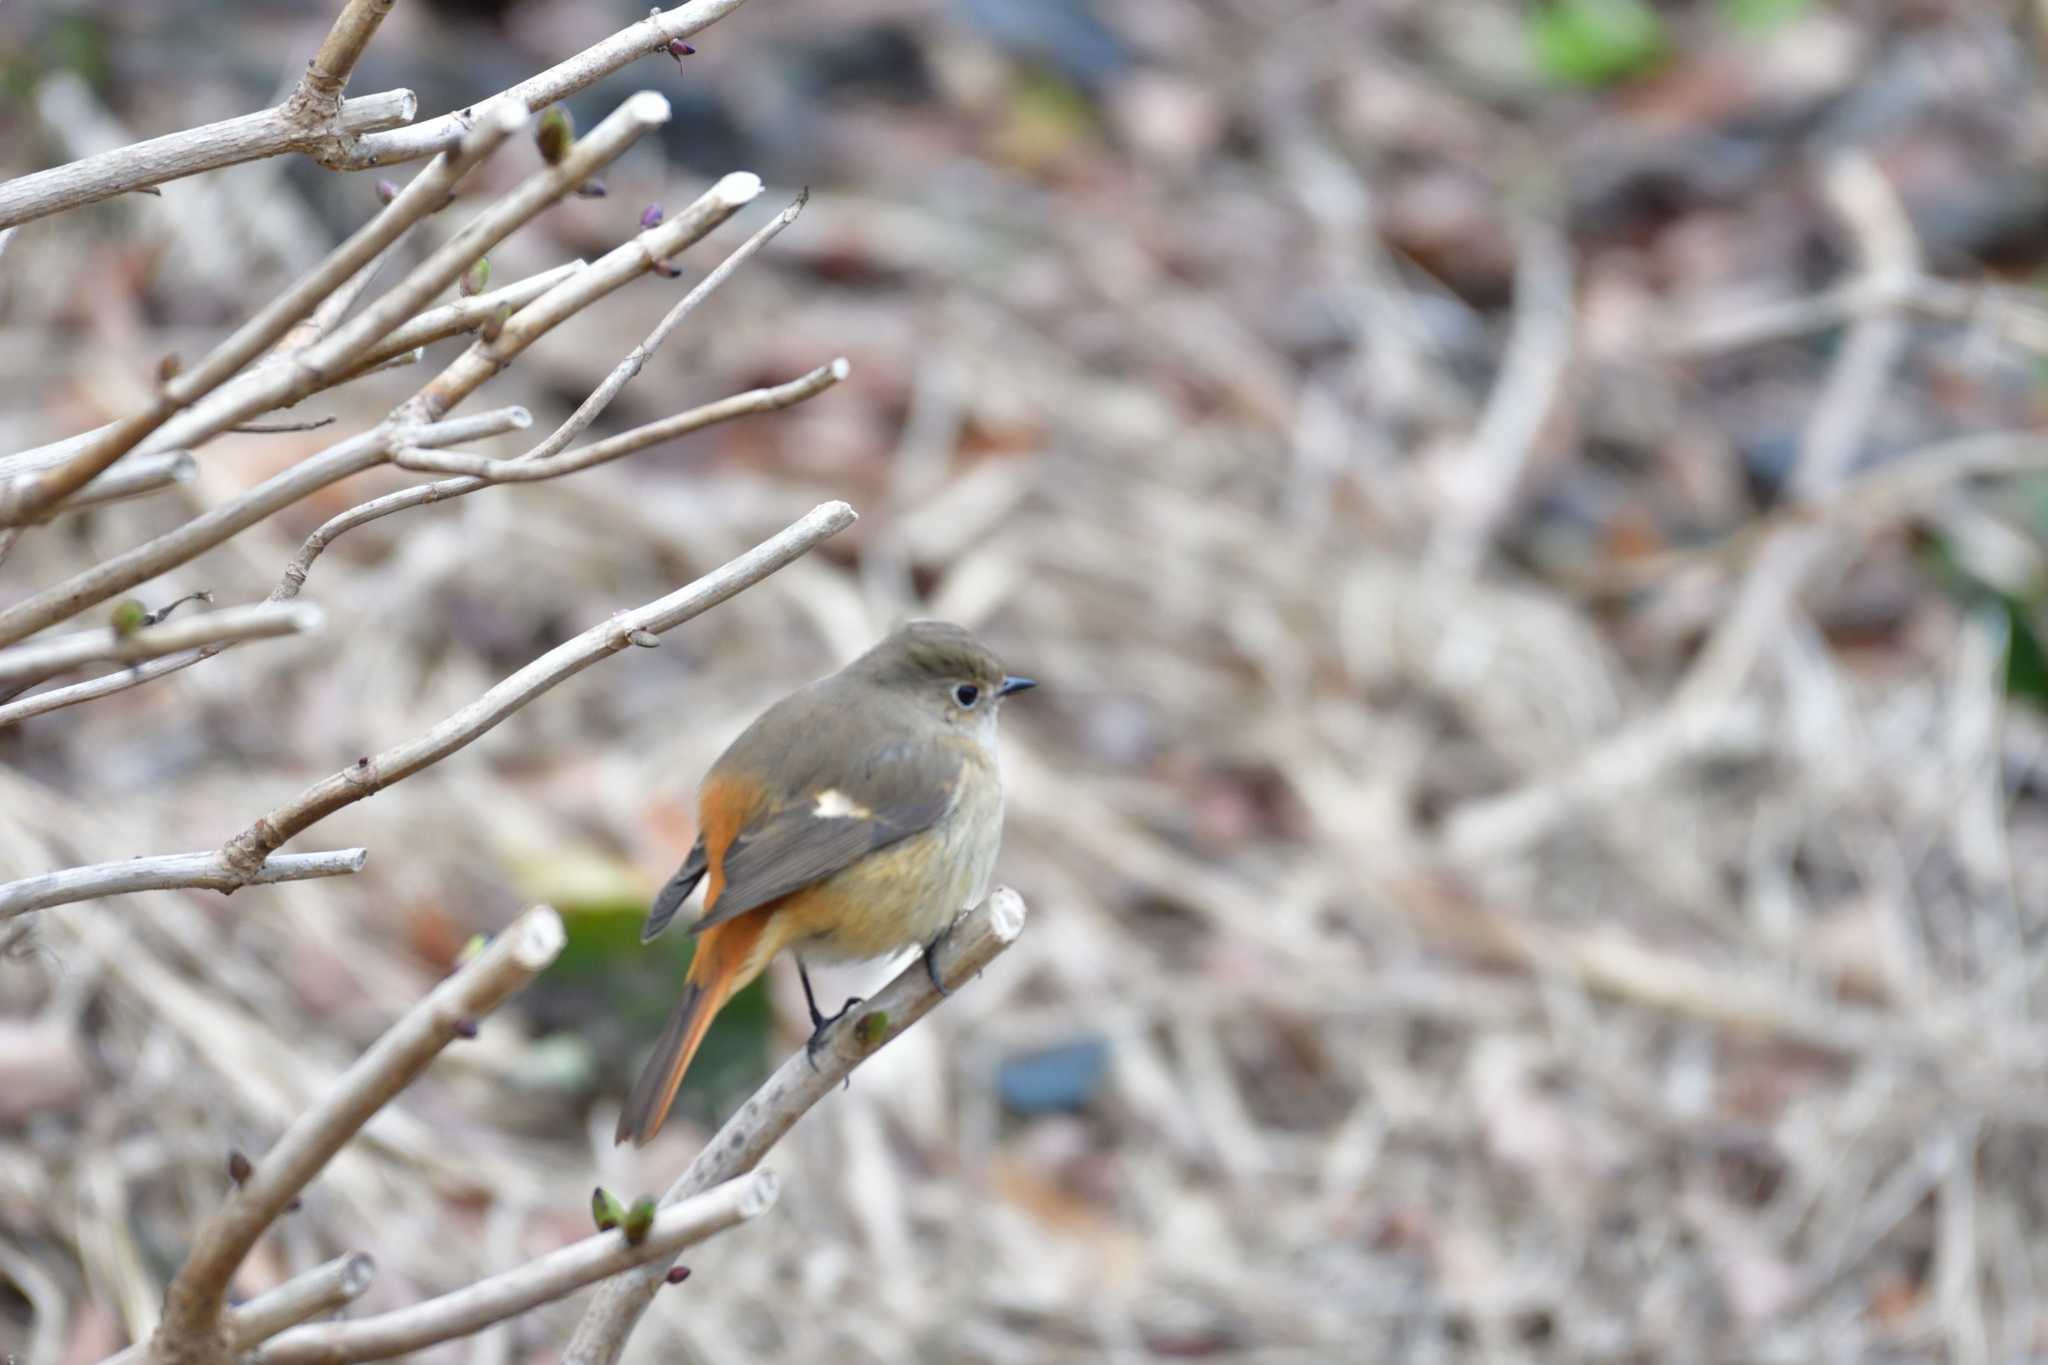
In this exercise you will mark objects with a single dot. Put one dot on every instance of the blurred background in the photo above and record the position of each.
(1534, 815)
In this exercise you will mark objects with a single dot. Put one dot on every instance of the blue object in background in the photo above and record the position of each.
(1058, 1078)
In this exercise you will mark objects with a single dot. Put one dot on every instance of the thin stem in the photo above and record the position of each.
(370, 775)
(192, 1329)
(165, 872)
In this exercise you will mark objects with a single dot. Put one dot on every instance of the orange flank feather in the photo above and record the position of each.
(725, 954)
(728, 957)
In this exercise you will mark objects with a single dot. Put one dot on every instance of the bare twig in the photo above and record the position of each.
(202, 533)
(273, 132)
(142, 475)
(295, 376)
(426, 194)
(531, 466)
(617, 267)
(320, 1290)
(280, 428)
(651, 35)
(464, 315)
(166, 872)
(591, 408)
(256, 621)
(92, 689)
(319, 91)
(513, 470)
(192, 1329)
(975, 940)
(371, 775)
(550, 1277)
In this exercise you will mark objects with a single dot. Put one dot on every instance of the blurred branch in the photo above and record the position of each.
(202, 533)
(2015, 317)
(976, 939)
(651, 35)
(368, 776)
(543, 1280)
(1833, 437)
(141, 475)
(251, 137)
(257, 621)
(1539, 349)
(166, 872)
(527, 468)
(193, 1331)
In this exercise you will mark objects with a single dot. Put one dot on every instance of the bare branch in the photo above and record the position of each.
(369, 776)
(320, 1290)
(57, 698)
(304, 372)
(464, 315)
(319, 90)
(550, 1277)
(976, 939)
(192, 1327)
(280, 428)
(513, 470)
(257, 621)
(251, 137)
(142, 475)
(651, 35)
(527, 469)
(166, 872)
(617, 267)
(202, 533)
(426, 194)
(591, 408)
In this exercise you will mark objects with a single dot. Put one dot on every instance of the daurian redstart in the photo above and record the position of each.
(858, 816)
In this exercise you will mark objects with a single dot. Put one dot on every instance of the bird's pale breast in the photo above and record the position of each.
(907, 892)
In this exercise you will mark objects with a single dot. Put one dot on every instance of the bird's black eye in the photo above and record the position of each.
(967, 694)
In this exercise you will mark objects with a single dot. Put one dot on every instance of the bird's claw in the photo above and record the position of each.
(820, 1023)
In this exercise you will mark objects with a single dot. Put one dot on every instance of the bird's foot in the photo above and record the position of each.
(820, 1023)
(931, 966)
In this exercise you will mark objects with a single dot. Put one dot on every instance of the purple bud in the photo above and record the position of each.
(677, 1274)
(386, 191)
(650, 216)
(679, 49)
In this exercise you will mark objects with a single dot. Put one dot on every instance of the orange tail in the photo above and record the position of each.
(718, 969)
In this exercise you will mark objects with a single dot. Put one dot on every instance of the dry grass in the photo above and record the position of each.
(1482, 975)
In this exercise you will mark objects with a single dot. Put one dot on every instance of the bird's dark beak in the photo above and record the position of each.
(1015, 685)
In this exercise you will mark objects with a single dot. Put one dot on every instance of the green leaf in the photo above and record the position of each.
(1596, 42)
(1761, 16)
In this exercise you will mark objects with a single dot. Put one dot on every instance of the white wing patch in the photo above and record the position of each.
(834, 804)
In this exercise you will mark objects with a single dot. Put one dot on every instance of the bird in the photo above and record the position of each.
(856, 817)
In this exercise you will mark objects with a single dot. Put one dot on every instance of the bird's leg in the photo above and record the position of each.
(820, 1021)
(931, 966)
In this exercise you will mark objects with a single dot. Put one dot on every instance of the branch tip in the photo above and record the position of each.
(649, 108)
